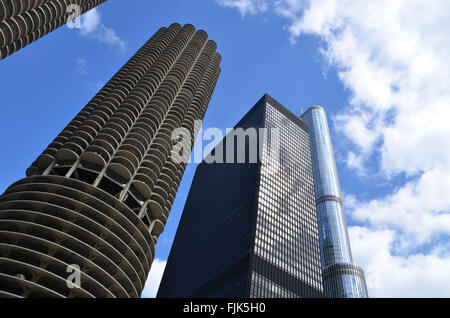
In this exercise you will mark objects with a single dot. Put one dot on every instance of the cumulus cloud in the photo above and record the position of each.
(154, 278)
(418, 209)
(355, 162)
(394, 57)
(92, 27)
(389, 275)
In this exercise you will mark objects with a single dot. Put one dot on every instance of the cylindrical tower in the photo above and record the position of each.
(341, 277)
(99, 196)
(25, 21)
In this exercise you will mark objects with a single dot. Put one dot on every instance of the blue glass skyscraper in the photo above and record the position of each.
(341, 278)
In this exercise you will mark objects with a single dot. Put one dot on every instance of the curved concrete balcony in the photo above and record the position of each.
(100, 195)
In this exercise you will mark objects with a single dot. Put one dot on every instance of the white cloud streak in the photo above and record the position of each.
(245, 6)
(394, 57)
(81, 68)
(93, 28)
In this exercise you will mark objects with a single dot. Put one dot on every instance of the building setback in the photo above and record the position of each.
(341, 278)
(250, 229)
(24, 21)
(99, 196)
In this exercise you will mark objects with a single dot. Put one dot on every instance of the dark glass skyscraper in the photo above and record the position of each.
(341, 278)
(249, 229)
(99, 196)
(25, 21)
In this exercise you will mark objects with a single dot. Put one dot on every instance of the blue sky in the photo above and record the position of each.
(379, 68)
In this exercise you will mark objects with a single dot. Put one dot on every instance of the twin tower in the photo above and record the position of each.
(86, 219)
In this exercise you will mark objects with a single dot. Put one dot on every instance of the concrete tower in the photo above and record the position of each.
(25, 21)
(99, 196)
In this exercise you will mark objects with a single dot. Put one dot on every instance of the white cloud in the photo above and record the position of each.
(355, 161)
(417, 211)
(90, 21)
(81, 68)
(245, 6)
(154, 278)
(388, 275)
(354, 126)
(394, 57)
(96, 86)
(92, 27)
